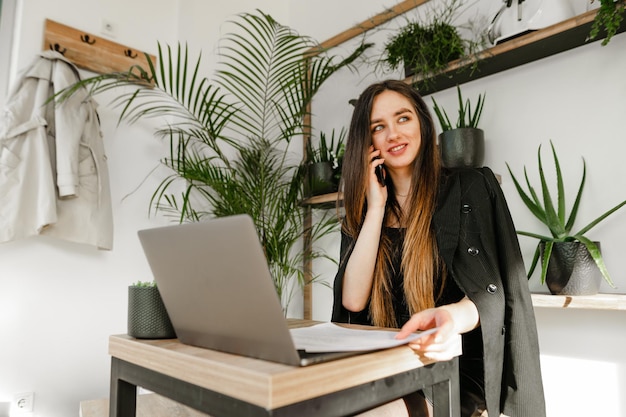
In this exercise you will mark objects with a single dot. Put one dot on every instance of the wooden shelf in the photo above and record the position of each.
(585, 302)
(563, 36)
(322, 199)
(326, 199)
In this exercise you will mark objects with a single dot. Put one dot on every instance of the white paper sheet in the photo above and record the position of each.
(330, 337)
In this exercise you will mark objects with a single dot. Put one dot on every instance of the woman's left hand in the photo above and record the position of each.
(450, 320)
(442, 345)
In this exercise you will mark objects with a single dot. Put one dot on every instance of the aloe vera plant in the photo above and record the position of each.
(559, 224)
(467, 117)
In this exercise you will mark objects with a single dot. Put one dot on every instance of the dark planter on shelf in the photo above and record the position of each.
(147, 317)
(320, 178)
(572, 270)
(462, 147)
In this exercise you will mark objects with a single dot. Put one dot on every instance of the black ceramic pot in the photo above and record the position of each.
(572, 270)
(147, 316)
(462, 148)
(320, 178)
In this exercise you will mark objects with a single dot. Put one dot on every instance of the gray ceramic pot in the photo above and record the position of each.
(147, 317)
(572, 270)
(462, 148)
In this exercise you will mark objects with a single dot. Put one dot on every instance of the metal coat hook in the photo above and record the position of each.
(129, 53)
(58, 48)
(87, 39)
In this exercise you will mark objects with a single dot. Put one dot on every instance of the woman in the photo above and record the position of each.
(425, 246)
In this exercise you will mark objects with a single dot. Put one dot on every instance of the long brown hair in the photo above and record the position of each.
(420, 259)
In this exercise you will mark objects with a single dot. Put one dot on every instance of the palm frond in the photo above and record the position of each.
(229, 137)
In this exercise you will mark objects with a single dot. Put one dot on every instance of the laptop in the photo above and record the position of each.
(217, 289)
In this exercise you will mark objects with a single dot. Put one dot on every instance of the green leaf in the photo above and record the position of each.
(594, 251)
(545, 260)
(534, 262)
(466, 118)
(552, 219)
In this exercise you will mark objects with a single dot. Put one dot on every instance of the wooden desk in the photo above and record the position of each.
(222, 384)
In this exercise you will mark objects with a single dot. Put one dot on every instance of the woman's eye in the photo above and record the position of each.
(403, 119)
(377, 128)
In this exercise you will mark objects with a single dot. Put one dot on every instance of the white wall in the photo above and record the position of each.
(54, 338)
(577, 99)
(60, 301)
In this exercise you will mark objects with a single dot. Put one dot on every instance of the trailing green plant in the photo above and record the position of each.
(608, 17)
(466, 116)
(424, 49)
(553, 215)
(425, 46)
(230, 136)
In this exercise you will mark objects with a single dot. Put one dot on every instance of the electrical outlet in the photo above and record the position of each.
(24, 401)
(108, 28)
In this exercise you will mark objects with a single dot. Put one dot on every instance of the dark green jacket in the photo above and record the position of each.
(478, 243)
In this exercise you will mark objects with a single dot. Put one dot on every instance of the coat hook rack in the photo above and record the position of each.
(58, 48)
(93, 53)
(129, 53)
(87, 39)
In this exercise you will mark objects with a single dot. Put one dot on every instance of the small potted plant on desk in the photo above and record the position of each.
(571, 263)
(323, 163)
(147, 316)
(462, 145)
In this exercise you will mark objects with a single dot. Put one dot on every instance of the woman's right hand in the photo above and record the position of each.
(376, 193)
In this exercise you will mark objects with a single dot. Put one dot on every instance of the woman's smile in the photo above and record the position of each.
(397, 148)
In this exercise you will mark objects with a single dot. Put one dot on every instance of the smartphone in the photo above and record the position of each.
(380, 175)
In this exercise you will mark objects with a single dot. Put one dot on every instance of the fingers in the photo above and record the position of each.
(374, 153)
(444, 344)
(445, 350)
(429, 319)
(375, 158)
(423, 320)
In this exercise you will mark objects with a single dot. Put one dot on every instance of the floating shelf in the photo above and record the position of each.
(325, 199)
(322, 199)
(585, 302)
(563, 36)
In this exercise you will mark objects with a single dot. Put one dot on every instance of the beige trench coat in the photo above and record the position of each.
(54, 177)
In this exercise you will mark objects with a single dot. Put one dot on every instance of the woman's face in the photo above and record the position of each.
(395, 130)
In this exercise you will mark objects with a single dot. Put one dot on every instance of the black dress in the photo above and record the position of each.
(471, 371)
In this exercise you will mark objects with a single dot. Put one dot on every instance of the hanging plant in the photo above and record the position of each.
(609, 18)
(424, 48)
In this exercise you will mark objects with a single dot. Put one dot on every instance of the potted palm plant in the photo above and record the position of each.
(571, 263)
(231, 135)
(462, 144)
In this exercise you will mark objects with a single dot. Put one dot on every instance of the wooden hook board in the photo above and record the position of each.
(91, 52)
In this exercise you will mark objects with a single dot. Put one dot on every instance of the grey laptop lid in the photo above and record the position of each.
(217, 289)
